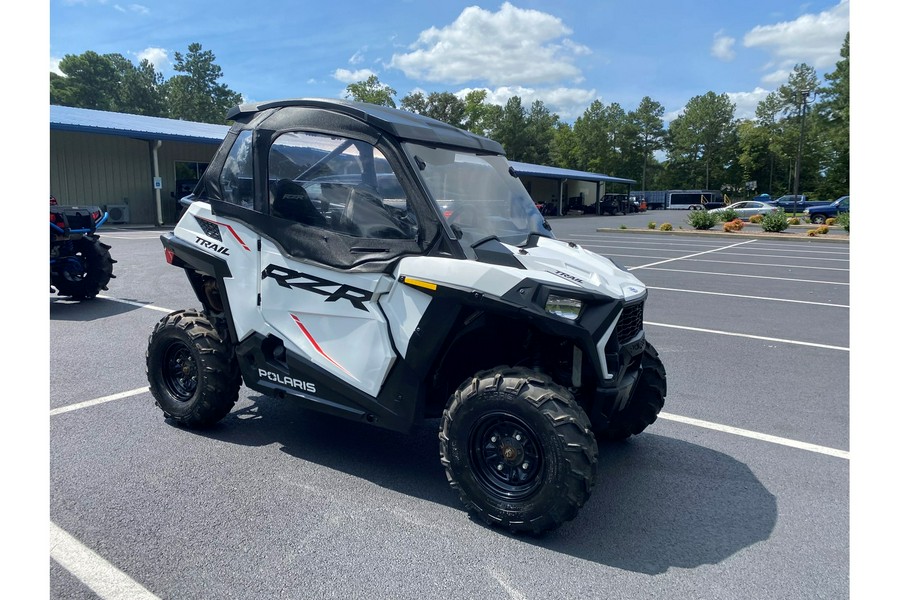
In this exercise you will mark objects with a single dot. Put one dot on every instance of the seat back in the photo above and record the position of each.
(291, 202)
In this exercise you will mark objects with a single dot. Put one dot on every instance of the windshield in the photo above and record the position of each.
(478, 195)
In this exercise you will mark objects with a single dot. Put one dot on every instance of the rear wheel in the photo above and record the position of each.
(518, 449)
(646, 402)
(85, 272)
(193, 374)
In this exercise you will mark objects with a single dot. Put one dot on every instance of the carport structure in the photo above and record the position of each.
(579, 190)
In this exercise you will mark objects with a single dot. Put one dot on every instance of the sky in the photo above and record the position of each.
(565, 53)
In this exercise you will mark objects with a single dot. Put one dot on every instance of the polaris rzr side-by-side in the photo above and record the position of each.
(385, 267)
(80, 264)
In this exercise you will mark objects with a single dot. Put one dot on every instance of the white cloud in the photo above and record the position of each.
(54, 66)
(509, 46)
(348, 76)
(134, 8)
(745, 102)
(158, 57)
(357, 57)
(722, 46)
(568, 103)
(814, 39)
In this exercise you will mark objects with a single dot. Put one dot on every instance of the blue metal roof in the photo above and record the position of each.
(66, 118)
(560, 173)
(83, 120)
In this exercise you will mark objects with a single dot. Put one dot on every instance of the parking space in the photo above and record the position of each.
(739, 490)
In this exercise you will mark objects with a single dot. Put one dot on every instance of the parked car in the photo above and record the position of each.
(818, 214)
(747, 208)
(796, 204)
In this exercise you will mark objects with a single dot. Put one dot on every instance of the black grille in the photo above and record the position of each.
(209, 228)
(630, 323)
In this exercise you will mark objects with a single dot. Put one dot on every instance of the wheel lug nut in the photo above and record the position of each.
(493, 439)
(499, 467)
(525, 465)
(518, 437)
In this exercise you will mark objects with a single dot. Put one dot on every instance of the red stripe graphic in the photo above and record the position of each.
(317, 347)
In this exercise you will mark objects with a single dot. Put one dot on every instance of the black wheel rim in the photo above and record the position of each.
(180, 371)
(506, 456)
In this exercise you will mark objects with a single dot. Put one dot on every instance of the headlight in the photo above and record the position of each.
(567, 308)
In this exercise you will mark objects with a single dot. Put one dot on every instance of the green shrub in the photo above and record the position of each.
(775, 221)
(728, 215)
(843, 221)
(665, 227)
(651, 225)
(622, 226)
(701, 219)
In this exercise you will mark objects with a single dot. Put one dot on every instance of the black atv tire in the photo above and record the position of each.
(645, 404)
(93, 274)
(518, 449)
(193, 374)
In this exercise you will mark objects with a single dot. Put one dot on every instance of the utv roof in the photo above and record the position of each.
(400, 123)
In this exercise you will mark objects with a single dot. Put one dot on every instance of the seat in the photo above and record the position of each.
(290, 201)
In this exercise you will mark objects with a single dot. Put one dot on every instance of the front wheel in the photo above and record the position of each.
(193, 374)
(518, 449)
(817, 219)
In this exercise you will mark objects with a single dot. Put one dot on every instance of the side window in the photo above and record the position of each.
(340, 184)
(236, 179)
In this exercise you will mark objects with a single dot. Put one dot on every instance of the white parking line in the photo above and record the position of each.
(138, 304)
(668, 260)
(756, 435)
(746, 297)
(87, 403)
(93, 570)
(740, 275)
(748, 336)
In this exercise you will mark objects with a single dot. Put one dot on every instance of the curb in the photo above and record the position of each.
(790, 237)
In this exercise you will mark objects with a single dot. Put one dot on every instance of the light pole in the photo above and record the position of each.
(805, 95)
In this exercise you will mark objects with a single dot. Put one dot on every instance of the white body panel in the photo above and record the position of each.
(329, 321)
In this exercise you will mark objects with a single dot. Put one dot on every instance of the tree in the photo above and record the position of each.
(89, 81)
(540, 129)
(142, 90)
(371, 90)
(647, 121)
(703, 141)
(834, 112)
(480, 117)
(564, 149)
(196, 95)
(511, 129)
(443, 106)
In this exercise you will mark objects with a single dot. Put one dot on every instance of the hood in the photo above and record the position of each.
(578, 267)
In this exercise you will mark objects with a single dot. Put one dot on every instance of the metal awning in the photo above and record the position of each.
(560, 173)
(83, 120)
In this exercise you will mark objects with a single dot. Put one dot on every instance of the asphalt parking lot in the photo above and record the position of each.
(739, 490)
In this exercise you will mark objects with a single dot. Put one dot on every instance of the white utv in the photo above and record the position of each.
(385, 267)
